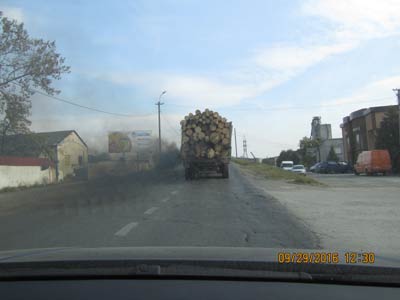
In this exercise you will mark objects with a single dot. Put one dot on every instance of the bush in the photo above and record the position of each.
(275, 173)
(269, 161)
(93, 158)
(170, 157)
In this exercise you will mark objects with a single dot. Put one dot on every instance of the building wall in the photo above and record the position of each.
(325, 131)
(14, 176)
(320, 131)
(373, 122)
(360, 134)
(337, 146)
(346, 143)
(363, 125)
(377, 119)
(72, 155)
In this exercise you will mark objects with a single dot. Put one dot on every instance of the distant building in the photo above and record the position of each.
(320, 131)
(359, 130)
(337, 145)
(66, 149)
(323, 132)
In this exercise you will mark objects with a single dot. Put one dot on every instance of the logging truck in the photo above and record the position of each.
(206, 144)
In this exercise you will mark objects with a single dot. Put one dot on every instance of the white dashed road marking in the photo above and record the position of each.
(125, 230)
(174, 192)
(150, 210)
(165, 199)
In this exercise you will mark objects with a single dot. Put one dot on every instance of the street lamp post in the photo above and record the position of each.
(159, 122)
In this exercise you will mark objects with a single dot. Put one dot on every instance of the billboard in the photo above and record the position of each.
(142, 139)
(133, 141)
(119, 142)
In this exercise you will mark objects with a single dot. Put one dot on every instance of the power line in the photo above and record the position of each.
(263, 139)
(83, 106)
(277, 108)
(170, 126)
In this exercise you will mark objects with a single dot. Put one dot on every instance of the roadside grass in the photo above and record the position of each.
(21, 187)
(271, 172)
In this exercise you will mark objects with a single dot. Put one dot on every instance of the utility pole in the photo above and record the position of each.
(397, 91)
(235, 142)
(245, 155)
(159, 122)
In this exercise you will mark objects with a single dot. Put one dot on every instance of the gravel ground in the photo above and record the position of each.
(353, 212)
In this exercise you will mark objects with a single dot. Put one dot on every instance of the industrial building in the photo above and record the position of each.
(323, 132)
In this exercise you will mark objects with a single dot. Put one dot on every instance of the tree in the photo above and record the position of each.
(306, 143)
(169, 157)
(288, 155)
(309, 150)
(332, 156)
(26, 64)
(388, 135)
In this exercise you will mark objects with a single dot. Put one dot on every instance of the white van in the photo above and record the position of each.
(287, 165)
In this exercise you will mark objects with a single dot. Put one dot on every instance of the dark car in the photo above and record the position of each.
(345, 167)
(328, 167)
(314, 167)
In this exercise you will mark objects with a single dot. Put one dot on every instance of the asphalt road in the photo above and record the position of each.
(150, 209)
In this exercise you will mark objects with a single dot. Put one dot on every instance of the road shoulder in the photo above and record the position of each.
(359, 216)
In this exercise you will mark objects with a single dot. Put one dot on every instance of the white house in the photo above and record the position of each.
(25, 171)
(66, 149)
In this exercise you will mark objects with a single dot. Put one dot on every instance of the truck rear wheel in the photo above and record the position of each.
(225, 171)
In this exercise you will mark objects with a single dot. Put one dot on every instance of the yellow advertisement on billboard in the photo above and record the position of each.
(119, 142)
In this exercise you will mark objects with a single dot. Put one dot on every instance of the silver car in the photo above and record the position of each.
(299, 169)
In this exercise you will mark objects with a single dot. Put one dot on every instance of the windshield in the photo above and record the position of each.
(177, 123)
(287, 165)
(297, 167)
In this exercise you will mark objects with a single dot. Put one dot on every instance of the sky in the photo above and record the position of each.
(267, 66)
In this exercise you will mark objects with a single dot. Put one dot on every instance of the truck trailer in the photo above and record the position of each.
(206, 144)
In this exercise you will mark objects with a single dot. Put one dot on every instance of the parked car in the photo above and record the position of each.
(299, 169)
(287, 165)
(328, 167)
(313, 167)
(345, 167)
(373, 162)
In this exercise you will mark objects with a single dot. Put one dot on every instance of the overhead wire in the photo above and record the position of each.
(87, 107)
(240, 133)
(170, 126)
(276, 108)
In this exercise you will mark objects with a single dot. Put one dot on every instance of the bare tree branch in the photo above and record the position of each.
(25, 64)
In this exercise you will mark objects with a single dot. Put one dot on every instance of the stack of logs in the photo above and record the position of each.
(206, 135)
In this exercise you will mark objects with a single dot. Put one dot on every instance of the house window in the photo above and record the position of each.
(358, 141)
(80, 160)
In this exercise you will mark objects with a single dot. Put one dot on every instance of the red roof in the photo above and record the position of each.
(24, 161)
